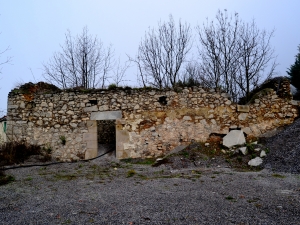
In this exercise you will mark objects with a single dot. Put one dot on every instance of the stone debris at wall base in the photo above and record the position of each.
(255, 162)
(234, 137)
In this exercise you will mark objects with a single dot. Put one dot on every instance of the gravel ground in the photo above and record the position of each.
(207, 191)
(104, 191)
(284, 148)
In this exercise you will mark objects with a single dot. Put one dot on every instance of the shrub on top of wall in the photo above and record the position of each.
(112, 87)
(275, 83)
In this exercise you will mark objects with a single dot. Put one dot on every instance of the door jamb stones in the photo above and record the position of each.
(91, 136)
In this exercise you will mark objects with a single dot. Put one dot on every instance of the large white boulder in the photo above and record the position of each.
(255, 162)
(234, 137)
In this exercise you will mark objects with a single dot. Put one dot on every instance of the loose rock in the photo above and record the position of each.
(243, 150)
(255, 162)
(234, 137)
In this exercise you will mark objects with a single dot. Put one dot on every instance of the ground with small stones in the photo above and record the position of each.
(103, 191)
(284, 148)
(202, 184)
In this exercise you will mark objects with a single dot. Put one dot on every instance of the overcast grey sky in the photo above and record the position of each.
(35, 29)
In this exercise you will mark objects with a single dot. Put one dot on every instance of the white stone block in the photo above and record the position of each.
(234, 137)
(243, 150)
(263, 153)
(255, 162)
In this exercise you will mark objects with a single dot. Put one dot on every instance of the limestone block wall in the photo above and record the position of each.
(149, 123)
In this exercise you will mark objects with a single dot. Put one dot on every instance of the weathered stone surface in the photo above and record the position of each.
(228, 102)
(44, 104)
(177, 149)
(255, 130)
(255, 162)
(263, 153)
(12, 106)
(91, 109)
(246, 130)
(108, 115)
(90, 153)
(188, 118)
(294, 102)
(21, 122)
(49, 114)
(234, 137)
(145, 127)
(226, 95)
(73, 125)
(243, 108)
(22, 105)
(103, 108)
(90, 138)
(243, 150)
(243, 116)
(70, 112)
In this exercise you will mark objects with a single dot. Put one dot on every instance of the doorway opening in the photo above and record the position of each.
(106, 137)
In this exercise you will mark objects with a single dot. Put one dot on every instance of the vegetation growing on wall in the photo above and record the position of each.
(29, 89)
(275, 84)
(294, 73)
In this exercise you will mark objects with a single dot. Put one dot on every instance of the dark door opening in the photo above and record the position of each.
(106, 136)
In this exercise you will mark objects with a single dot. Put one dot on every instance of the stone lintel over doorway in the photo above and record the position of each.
(108, 115)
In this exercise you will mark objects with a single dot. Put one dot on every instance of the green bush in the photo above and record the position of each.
(294, 71)
(112, 87)
(63, 140)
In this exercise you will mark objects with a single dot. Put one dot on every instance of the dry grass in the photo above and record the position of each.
(17, 152)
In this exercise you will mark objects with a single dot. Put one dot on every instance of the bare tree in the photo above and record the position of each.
(162, 53)
(234, 54)
(191, 76)
(256, 56)
(219, 51)
(84, 61)
(119, 71)
(6, 60)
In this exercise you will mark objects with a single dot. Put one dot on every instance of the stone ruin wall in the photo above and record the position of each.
(150, 123)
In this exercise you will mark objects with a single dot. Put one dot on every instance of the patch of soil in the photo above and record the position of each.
(209, 154)
(283, 153)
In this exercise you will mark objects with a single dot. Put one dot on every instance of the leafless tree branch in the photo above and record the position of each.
(8, 59)
(83, 61)
(162, 53)
(119, 71)
(234, 54)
